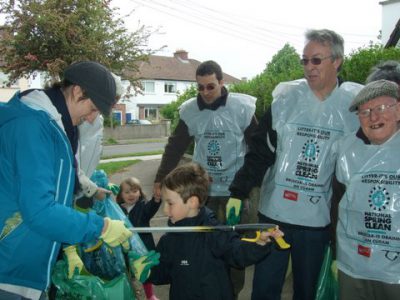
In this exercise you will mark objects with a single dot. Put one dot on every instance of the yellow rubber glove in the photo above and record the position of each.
(74, 262)
(233, 208)
(116, 234)
(141, 265)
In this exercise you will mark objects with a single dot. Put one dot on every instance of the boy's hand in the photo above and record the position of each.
(276, 234)
(157, 190)
(233, 209)
(74, 262)
(114, 188)
(141, 266)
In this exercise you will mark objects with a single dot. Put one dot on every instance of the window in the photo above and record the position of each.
(150, 113)
(170, 87)
(148, 87)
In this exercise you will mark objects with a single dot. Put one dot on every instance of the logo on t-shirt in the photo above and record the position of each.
(378, 198)
(310, 150)
(290, 195)
(184, 262)
(364, 251)
(213, 147)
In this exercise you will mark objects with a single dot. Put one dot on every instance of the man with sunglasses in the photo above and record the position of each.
(220, 123)
(289, 157)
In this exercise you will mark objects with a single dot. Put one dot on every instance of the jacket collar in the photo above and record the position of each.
(360, 134)
(221, 101)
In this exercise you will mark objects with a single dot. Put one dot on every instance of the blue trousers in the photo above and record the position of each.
(307, 253)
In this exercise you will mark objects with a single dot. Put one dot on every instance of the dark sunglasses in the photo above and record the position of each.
(315, 60)
(208, 87)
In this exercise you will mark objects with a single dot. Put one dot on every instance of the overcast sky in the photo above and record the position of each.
(242, 36)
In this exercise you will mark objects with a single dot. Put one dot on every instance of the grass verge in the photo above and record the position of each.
(112, 141)
(116, 166)
(133, 154)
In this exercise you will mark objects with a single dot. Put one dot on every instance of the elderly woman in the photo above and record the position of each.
(368, 231)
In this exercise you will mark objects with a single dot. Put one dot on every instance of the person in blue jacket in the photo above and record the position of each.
(37, 175)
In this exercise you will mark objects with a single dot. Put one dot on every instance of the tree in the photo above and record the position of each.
(170, 111)
(48, 35)
(358, 64)
(284, 66)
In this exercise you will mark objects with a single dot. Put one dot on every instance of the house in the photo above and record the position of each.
(162, 78)
(7, 91)
(390, 22)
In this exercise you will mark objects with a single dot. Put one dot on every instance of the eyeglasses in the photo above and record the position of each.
(380, 109)
(208, 87)
(315, 60)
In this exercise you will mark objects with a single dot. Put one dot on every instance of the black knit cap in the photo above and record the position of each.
(96, 80)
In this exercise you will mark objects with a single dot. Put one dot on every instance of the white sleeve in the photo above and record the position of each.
(88, 187)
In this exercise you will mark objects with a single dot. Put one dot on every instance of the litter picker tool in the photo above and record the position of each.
(257, 227)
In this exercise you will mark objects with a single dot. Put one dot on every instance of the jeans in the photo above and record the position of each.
(307, 253)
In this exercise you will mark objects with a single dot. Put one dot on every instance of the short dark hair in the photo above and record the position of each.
(209, 67)
(388, 70)
(188, 180)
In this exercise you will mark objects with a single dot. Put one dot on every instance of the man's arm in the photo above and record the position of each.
(338, 190)
(177, 144)
(259, 158)
(250, 129)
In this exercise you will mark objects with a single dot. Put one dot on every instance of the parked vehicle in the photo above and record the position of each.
(138, 122)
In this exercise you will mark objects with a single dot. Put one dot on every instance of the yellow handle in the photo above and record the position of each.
(253, 240)
(280, 241)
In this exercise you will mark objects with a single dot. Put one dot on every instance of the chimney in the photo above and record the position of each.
(181, 55)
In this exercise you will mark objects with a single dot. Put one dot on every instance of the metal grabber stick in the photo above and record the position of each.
(257, 227)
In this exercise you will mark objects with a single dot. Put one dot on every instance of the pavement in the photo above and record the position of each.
(145, 171)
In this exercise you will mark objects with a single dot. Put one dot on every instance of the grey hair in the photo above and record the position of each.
(328, 38)
(389, 70)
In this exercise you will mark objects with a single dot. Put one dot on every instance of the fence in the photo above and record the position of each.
(130, 132)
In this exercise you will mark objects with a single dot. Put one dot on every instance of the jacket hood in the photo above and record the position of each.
(19, 107)
(13, 109)
(205, 216)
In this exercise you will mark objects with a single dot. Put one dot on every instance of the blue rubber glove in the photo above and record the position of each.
(141, 266)
(233, 209)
